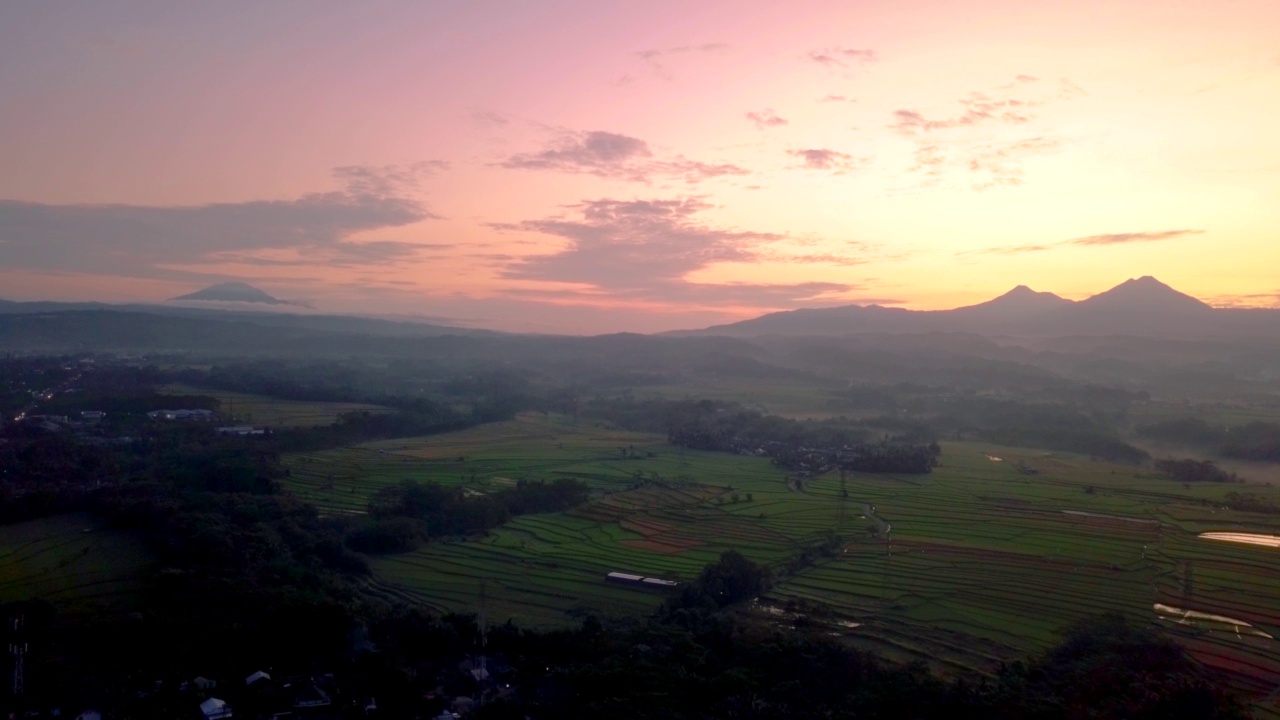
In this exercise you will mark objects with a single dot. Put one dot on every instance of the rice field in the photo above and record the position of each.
(72, 561)
(984, 560)
(266, 411)
(984, 563)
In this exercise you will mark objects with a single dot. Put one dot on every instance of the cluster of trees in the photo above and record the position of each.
(809, 445)
(1189, 470)
(887, 458)
(730, 580)
(1251, 502)
(703, 665)
(1253, 441)
(1050, 426)
(403, 516)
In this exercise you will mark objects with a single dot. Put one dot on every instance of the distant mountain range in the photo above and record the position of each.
(1141, 307)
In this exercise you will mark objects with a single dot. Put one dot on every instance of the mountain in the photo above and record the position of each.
(1145, 293)
(1144, 306)
(232, 292)
(1018, 301)
(1140, 307)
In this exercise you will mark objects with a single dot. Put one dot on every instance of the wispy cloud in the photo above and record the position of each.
(842, 56)
(978, 109)
(1268, 300)
(616, 156)
(144, 241)
(765, 118)
(837, 98)
(825, 159)
(1132, 237)
(1089, 241)
(959, 142)
(656, 58)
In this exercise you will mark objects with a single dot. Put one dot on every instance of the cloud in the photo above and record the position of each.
(978, 109)
(386, 180)
(765, 119)
(1089, 241)
(1130, 237)
(837, 98)
(1269, 300)
(643, 250)
(143, 241)
(825, 159)
(655, 57)
(958, 142)
(490, 118)
(1000, 163)
(842, 57)
(621, 157)
(575, 151)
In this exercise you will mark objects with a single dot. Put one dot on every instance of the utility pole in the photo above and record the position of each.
(18, 650)
(481, 674)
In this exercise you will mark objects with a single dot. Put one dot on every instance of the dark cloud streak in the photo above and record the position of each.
(137, 241)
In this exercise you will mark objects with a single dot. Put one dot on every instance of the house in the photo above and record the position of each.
(181, 415)
(259, 675)
(204, 683)
(215, 709)
(623, 577)
(659, 583)
(311, 696)
(92, 415)
(240, 430)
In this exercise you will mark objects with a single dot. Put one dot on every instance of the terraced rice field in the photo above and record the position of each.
(659, 510)
(984, 563)
(273, 412)
(72, 561)
(981, 562)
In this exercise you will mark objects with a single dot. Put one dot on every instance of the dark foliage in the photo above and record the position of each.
(402, 516)
(1189, 470)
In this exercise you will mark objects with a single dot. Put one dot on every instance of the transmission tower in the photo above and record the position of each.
(843, 513)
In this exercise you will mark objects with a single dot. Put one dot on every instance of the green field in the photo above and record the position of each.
(272, 412)
(659, 510)
(74, 562)
(982, 561)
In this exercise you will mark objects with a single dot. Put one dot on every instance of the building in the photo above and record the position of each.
(241, 430)
(659, 583)
(641, 581)
(92, 415)
(259, 675)
(203, 415)
(215, 709)
(621, 577)
(310, 697)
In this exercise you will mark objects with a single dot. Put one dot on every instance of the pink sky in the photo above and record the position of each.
(593, 167)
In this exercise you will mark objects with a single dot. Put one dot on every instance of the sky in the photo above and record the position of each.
(588, 167)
